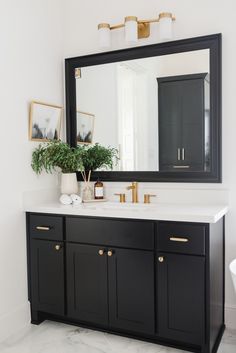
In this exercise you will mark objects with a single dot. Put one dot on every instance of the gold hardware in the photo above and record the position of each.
(143, 25)
(178, 239)
(161, 258)
(43, 228)
(117, 26)
(181, 166)
(57, 247)
(134, 188)
(77, 73)
(101, 252)
(183, 154)
(178, 153)
(103, 25)
(122, 197)
(109, 253)
(166, 14)
(147, 198)
(131, 18)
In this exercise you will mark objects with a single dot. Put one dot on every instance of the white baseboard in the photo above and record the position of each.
(14, 321)
(230, 316)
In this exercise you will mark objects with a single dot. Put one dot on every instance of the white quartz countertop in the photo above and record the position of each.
(165, 212)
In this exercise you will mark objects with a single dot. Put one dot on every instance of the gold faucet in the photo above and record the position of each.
(134, 188)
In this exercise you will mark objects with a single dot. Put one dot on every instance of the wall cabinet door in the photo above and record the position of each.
(47, 276)
(87, 284)
(131, 290)
(181, 297)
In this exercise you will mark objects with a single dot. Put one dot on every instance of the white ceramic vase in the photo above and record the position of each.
(69, 184)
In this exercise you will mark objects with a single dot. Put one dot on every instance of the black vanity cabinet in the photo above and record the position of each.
(151, 280)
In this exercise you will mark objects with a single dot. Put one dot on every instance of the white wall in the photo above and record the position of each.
(194, 18)
(30, 68)
(31, 38)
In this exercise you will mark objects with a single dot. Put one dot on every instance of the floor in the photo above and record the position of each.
(50, 337)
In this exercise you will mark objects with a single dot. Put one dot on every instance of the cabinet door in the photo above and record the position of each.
(181, 297)
(193, 134)
(131, 290)
(170, 124)
(87, 284)
(47, 276)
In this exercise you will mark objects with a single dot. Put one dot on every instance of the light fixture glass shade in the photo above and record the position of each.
(104, 33)
(166, 27)
(131, 29)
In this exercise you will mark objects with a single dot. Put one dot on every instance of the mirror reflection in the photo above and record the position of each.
(155, 111)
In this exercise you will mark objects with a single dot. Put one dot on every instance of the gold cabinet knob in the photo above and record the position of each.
(109, 253)
(57, 247)
(161, 258)
(101, 252)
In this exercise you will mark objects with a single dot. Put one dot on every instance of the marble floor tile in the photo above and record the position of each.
(51, 337)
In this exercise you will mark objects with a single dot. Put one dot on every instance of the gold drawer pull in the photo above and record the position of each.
(43, 228)
(110, 253)
(57, 247)
(181, 166)
(180, 240)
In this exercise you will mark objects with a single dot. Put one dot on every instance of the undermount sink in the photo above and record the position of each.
(115, 206)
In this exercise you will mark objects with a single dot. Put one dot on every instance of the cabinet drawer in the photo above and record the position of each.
(46, 227)
(181, 238)
(110, 232)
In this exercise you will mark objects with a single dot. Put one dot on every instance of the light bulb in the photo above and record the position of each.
(104, 35)
(131, 29)
(165, 21)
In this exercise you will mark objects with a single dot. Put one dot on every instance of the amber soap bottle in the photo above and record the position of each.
(98, 190)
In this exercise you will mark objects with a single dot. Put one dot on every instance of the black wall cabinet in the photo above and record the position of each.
(181, 103)
(167, 287)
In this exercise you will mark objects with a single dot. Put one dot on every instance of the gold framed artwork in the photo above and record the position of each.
(85, 127)
(44, 121)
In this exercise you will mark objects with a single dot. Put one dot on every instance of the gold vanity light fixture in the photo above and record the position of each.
(137, 29)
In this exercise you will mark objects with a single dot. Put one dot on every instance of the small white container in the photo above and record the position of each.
(69, 184)
(232, 268)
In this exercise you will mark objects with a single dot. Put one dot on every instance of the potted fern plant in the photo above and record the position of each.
(57, 154)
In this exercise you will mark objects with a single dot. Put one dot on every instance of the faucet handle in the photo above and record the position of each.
(147, 198)
(122, 197)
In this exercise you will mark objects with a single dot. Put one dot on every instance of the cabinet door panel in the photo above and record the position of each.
(181, 298)
(47, 276)
(87, 284)
(193, 123)
(170, 125)
(131, 290)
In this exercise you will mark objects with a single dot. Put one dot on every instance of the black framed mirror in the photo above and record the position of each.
(159, 105)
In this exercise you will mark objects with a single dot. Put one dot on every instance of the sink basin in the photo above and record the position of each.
(115, 206)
